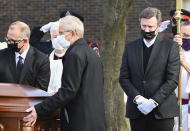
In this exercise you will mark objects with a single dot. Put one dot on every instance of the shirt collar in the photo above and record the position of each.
(23, 55)
(149, 44)
(59, 55)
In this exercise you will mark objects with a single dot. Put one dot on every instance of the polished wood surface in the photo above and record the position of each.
(14, 100)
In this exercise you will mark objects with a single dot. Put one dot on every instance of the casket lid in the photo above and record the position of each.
(17, 90)
(18, 98)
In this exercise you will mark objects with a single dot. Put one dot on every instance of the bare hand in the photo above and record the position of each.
(31, 118)
(178, 39)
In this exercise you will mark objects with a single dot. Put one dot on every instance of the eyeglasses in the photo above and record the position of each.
(11, 41)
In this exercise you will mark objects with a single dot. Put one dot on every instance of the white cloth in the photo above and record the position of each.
(3, 45)
(164, 25)
(184, 85)
(185, 78)
(23, 55)
(46, 28)
(56, 69)
(184, 119)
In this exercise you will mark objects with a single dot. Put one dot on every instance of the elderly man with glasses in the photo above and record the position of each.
(20, 63)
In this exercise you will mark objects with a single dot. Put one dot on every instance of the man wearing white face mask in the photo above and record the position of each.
(81, 92)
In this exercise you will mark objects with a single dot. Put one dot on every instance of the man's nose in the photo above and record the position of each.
(147, 29)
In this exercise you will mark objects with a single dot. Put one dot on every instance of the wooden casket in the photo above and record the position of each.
(14, 100)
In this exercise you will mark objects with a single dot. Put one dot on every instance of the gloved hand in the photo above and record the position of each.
(140, 99)
(147, 106)
(47, 27)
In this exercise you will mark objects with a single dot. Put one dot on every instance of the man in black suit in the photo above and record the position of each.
(81, 92)
(149, 76)
(21, 63)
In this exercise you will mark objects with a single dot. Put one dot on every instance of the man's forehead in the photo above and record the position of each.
(14, 26)
(152, 20)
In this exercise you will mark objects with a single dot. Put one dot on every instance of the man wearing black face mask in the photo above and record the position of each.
(20, 63)
(184, 41)
(149, 76)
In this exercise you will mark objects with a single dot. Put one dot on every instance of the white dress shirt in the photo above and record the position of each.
(149, 44)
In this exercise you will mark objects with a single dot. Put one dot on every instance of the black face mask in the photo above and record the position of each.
(13, 47)
(148, 35)
(174, 30)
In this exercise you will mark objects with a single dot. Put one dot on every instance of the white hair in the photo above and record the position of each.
(24, 28)
(72, 23)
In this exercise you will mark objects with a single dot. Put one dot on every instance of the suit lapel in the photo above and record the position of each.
(154, 53)
(27, 64)
(12, 64)
(139, 55)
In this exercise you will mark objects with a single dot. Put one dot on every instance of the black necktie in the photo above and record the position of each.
(19, 68)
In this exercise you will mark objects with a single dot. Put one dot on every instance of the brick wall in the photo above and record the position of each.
(40, 12)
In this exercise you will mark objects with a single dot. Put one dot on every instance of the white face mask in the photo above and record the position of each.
(60, 43)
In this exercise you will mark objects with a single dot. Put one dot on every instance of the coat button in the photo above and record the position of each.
(144, 82)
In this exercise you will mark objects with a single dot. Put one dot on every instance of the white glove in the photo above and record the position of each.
(147, 106)
(164, 25)
(139, 99)
(60, 43)
(47, 27)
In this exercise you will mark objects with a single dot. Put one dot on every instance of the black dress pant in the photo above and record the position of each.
(149, 123)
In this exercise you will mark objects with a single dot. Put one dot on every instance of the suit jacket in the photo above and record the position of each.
(35, 72)
(158, 81)
(81, 92)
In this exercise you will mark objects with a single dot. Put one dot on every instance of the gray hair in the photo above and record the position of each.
(72, 23)
(150, 12)
(24, 28)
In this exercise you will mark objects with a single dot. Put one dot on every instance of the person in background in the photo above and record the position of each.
(56, 57)
(183, 40)
(149, 76)
(20, 62)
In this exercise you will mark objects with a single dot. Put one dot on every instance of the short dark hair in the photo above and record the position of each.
(151, 12)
